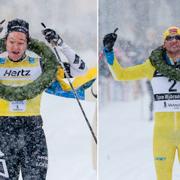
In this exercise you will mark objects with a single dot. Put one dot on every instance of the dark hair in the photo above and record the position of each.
(18, 25)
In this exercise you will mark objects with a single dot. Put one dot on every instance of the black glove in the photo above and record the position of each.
(52, 37)
(109, 40)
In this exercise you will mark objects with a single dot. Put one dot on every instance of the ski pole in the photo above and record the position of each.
(94, 94)
(75, 94)
(1, 27)
(74, 91)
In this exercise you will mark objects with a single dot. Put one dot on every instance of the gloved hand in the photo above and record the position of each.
(109, 41)
(52, 37)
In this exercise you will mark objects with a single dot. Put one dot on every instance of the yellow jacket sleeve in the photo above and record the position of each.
(79, 80)
(145, 70)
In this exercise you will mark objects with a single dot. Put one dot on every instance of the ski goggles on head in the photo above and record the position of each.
(170, 38)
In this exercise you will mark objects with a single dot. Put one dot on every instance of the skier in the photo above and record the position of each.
(166, 89)
(61, 88)
(22, 143)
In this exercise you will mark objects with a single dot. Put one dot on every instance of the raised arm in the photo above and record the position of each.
(137, 72)
(77, 65)
(145, 70)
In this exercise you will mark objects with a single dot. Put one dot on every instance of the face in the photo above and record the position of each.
(172, 45)
(16, 45)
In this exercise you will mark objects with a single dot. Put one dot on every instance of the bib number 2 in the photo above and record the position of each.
(172, 87)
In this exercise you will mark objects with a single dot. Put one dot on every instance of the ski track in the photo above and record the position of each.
(68, 138)
(125, 150)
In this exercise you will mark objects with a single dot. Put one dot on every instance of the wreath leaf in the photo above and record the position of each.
(36, 87)
(156, 59)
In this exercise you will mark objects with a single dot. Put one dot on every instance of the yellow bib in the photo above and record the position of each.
(19, 74)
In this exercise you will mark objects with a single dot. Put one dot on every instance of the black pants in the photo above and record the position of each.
(22, 147)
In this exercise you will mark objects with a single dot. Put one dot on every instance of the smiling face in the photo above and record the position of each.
(16, 45)
(172, 45)
(172, 41)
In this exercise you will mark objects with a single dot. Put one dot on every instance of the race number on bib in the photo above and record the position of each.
(166, 94)
(18, 106)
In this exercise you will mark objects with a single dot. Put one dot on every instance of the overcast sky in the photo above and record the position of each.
(75, 20)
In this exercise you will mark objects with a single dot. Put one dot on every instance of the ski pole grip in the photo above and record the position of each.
(114, 34)
(1, 27)
(43, 25)
(2, 21)
(115, 30)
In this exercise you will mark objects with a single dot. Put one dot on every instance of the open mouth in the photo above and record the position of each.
(15, 52)
(14, 55)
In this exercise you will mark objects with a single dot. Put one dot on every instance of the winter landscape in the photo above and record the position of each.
(125, 150)
(69, 140)
(125, 122)
(70, 145)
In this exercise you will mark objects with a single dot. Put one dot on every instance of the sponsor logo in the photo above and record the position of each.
(42, 161)
(17, 73)
(160, 158)
(174, 105)
(167, 96)
(171, 105)
(165, 104)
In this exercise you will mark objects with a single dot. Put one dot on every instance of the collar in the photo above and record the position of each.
(170, 61)
(19, 60)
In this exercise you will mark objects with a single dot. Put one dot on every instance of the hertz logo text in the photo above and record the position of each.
(18, 73)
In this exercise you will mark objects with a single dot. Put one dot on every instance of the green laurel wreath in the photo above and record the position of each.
(156, 59)
(29, 91)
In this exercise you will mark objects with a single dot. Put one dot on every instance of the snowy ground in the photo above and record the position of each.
(68, 138)
(125, 150)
